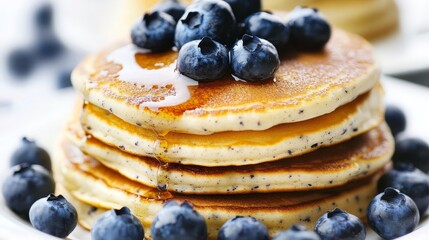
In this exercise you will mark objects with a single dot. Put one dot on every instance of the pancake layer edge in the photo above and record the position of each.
(307, 85)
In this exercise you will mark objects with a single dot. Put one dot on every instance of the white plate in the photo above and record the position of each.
(411, 98)
(407, 50)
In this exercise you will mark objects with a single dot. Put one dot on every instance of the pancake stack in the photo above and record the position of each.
(284, 151)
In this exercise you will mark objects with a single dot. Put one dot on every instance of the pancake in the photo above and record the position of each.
(145, 90)
(92, 183)
(371, 19)
(240, 147)
(324, 168)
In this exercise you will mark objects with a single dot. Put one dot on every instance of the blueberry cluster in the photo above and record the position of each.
(410, 150)
(410, 181)
(22, 61)
(404, 190)
(28, 189)
(176, 221)
(30, 177)
(215, 37)
(47, 46)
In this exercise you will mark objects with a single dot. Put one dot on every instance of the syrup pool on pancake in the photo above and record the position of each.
(161, 75)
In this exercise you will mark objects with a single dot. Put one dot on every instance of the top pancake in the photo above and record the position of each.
(306, 85)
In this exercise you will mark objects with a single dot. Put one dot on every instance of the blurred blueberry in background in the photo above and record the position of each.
(43, 51)
(64, 79)
(43, 16)
(48, 47)
(21, 63)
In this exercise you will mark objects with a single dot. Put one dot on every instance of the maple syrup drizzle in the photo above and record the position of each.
(137, 69)
(160, 148)
(161, 73)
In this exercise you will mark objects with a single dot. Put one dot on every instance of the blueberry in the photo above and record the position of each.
(43, 16)
(25, 185)
(297, 232)
(309, 30)
(392, 214)
(337, 224)
(155, 31)
(178, 222)
(244, 8)
(396, 119)
(53, 215)
(413, 150)
(203, 60)
(48, 47)
(267, 26)
(117, 224)
(21, 62)
(171, 7)
(64, 79)
(254, 59)
(243, 228)
(410, 181)
(211, 18)
(29, 152)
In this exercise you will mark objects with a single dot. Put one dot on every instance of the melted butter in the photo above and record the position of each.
(159, 71)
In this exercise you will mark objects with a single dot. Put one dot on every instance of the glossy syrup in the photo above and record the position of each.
(154, 70)
(141, 67)
(160, 147)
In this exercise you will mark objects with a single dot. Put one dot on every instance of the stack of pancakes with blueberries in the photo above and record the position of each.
(237, 120)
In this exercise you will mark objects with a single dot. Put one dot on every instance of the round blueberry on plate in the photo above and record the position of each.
(267, 26)
(203, 60)
(244, 8)
(410, 181)
(211, 18)
(176, 221)
(29, 152)
(309, 30)
(297, 232)
(172, 7)
(117, 224)
(392, 214)
(25, 185)
(155, 31)
(413, 150)
(338, 224)
(254, 59)
(53, 215)
(396, 119)
(243, 228)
